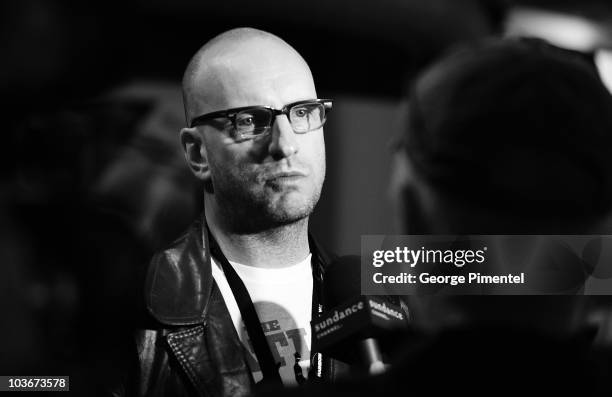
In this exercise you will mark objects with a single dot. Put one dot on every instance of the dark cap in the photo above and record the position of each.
(516, 123)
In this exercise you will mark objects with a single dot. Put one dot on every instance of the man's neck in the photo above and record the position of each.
(277, 247)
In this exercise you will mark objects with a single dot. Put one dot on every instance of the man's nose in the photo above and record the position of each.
(284, 141)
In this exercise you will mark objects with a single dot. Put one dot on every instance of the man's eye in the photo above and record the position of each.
(302, 112)
(246, 121)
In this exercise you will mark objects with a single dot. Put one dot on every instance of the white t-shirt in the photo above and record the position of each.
(283, 302)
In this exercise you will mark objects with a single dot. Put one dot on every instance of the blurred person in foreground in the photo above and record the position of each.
(507, 137)
(254, 140)
(502, 137)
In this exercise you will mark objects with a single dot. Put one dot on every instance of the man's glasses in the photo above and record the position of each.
(252, 121)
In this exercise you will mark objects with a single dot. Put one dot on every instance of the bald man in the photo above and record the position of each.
(231, 302)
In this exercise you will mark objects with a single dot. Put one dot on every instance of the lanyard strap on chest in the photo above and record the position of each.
(269, 368)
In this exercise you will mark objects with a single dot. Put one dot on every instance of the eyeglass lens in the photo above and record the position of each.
(307, 117)
(303, 118)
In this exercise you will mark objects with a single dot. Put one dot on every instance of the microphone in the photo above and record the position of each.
(348, 330)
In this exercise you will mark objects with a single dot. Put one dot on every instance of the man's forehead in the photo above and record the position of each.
(253, 72)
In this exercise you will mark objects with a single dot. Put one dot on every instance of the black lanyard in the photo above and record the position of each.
(316, 359)
(268, 366)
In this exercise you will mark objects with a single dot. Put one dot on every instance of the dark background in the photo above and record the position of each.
(59, 54)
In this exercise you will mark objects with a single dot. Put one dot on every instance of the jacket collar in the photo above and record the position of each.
(179, 280)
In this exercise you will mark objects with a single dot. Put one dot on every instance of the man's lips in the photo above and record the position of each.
(285, 175)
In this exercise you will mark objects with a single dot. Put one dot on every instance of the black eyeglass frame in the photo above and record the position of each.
(231, 113)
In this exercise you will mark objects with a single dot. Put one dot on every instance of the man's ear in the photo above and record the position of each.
(195, 153)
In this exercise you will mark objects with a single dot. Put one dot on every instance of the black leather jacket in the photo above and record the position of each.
(190, 346)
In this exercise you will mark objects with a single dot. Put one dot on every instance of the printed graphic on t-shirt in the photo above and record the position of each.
(283, 301)
(286, 340)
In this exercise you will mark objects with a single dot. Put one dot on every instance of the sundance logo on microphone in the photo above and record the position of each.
(364, 316)
(329, 322)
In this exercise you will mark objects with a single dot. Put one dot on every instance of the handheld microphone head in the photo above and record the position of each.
(346, 330)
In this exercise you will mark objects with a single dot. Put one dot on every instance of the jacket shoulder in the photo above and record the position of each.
(179, 280)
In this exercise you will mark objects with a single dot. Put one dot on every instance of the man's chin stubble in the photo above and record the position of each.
(249, 219)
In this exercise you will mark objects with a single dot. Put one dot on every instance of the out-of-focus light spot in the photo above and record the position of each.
(564, 30)
(603, 60)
